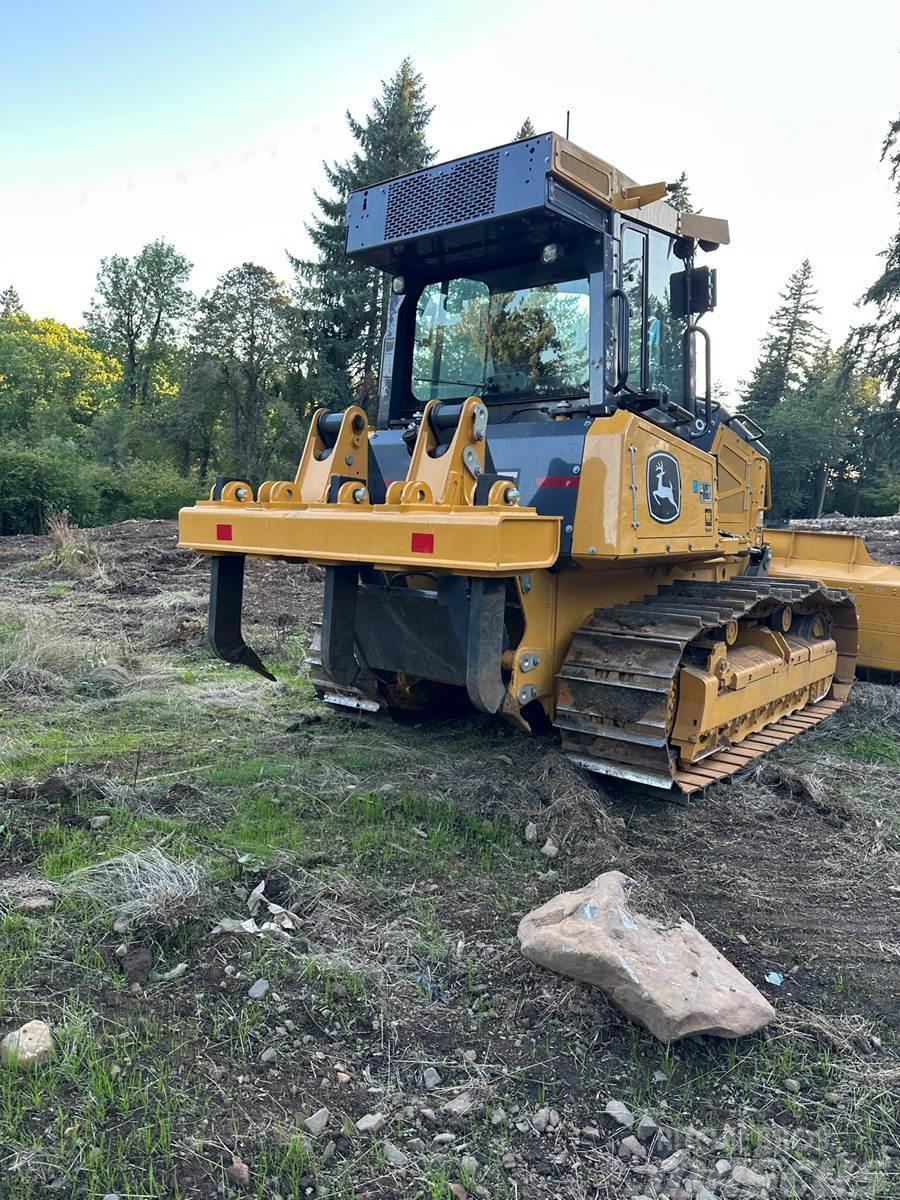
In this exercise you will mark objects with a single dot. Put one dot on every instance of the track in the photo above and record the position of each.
(618, 688)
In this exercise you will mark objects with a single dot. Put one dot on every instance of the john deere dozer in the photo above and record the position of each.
(551, 516)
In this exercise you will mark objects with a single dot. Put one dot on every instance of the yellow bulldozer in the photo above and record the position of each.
(550, 517)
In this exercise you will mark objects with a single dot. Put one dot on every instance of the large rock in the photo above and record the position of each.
(28, 1047)
(671, 980)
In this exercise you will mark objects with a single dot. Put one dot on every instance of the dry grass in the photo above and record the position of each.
(34, 661)
(144, 887)
(73, 553)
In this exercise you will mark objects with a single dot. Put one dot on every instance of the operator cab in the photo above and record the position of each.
(540, 279)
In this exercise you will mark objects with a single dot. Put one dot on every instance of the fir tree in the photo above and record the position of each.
(341, 305)
(680, 194)
(878, 342)
(788, 350)
(10, 303)
(526, 131)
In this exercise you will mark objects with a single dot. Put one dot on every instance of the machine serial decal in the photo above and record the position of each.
(663, 487)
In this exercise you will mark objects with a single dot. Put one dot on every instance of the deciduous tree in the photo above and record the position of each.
(136, 313)
(245, 348)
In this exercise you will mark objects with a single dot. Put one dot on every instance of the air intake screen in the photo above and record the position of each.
(462, 192)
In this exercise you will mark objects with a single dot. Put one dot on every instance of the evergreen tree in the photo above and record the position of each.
(680, 194)
(341, 305)
(10, 303)
(788, 350)
(875, 347)
(526, 131)
(878, 342)
(810, 433)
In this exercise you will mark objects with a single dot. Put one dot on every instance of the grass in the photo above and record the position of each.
(401, 851)
(872, 748)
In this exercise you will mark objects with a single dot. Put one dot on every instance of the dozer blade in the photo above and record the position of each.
(638, 700)
(226, 593)
(841, 560)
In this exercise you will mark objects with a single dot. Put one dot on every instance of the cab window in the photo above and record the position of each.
(633, 287)
(665, 333)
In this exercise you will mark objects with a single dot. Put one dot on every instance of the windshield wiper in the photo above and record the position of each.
(449, 382)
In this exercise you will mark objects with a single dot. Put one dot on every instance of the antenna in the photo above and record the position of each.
(568, 115)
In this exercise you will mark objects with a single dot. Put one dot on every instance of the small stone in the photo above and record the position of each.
(431, 1078)
(540, 1120)
(673, 1162)
(443, 1139)
(371, 1123)
(458, 1192)
(747, 1178)
(318, 1122)
(28, 1047)
(258, 989)
(99, 822)
(498, 1116)
(342, 1078)
(792, 1085)
(459, 1106)
(268, 1055)
(554, 1118)
(591, 1132)
(647, 1128)
(416, 1145)
(469, 1165)
(723, 1168)
(550, 848)
(659, 1076)
(394, 1155)
(703, 1193)
(620, 1113)
(238, 1173)
(111, 1196)
(121, 950)
(429, 1115)
(531, 832)
(630, 1147)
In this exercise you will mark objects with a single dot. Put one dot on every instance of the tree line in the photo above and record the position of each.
(159, 390)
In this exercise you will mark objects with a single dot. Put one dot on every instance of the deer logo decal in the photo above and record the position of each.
(663, 487)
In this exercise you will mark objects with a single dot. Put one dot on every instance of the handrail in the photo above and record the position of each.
(622, 335)
(697, 430)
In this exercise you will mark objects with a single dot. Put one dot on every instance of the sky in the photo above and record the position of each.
(206, 122)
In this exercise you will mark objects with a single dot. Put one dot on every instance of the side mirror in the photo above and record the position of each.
(693, 291)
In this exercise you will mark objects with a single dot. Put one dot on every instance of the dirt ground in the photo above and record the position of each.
(398, 852)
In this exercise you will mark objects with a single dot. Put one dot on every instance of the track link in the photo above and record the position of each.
(618, 688)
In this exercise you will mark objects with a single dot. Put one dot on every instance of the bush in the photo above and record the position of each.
(34, 483)
(53, 478)
(152, 490)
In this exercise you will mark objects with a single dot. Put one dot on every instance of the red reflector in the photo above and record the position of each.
(223, 533)
(557, 481)
(422, 543)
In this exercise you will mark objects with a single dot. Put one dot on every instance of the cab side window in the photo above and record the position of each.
(665, 333)
(633, 248)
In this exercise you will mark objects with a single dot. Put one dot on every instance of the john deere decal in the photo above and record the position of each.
(663, 487)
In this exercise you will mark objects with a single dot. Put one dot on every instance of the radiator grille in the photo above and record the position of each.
(462, 192)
